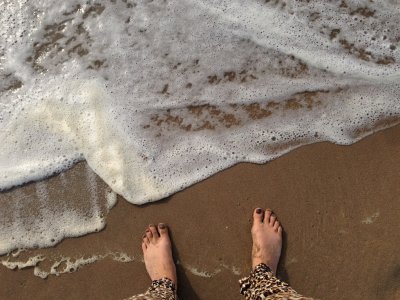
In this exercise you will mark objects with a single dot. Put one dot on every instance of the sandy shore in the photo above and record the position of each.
(339, 206)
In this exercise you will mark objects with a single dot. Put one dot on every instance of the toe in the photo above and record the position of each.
(144, 246)
(258, 216)
(145, 239)
(267, 215)
(280, 229)
(162, 229)
(272, 220)
(154, 231)
(276, 225)
(149, 235)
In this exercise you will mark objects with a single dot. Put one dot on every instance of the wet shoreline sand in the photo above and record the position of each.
(339, 206)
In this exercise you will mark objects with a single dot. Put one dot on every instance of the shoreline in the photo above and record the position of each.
(309, 188)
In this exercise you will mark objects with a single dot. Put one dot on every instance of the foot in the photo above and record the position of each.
(267, 239)
(157, 253)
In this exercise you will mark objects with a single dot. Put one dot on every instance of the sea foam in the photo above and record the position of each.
(157, 95)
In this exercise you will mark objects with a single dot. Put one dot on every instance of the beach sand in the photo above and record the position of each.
(339, 206)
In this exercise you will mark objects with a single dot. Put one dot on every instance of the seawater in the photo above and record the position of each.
(157, 95)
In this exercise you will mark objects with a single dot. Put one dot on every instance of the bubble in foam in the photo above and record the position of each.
(158, 95)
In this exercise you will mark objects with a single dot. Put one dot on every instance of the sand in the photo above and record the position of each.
(339, 206)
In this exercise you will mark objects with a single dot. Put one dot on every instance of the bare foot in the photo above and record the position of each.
(157, 253)
(267, 239)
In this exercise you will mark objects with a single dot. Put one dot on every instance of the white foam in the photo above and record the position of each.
(157, 95)
(61, 265)
(235, 270)
(64, 264)
(371, 219)
(111, 199)
(199, 272)
(31, 262)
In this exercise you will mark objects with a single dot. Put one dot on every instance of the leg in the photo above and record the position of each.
(157, 252)
(267, 244)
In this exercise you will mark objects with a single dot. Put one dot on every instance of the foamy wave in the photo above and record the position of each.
(62, 265)
(157, 95)
(65, 265)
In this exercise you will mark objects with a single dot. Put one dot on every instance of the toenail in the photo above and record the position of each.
(258, 210)
(147, 230)
(161, 225)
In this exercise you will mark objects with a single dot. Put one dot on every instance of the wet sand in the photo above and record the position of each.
(339, 206)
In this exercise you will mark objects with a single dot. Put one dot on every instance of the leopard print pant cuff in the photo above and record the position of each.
(262, 284)
(164, 283)
(161, 289)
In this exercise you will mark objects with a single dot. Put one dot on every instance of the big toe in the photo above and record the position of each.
(258, 216)
(163, 230)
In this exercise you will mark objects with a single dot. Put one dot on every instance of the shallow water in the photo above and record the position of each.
(157, 95)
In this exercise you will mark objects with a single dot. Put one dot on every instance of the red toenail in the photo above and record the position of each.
(258, 210)
(161, 225)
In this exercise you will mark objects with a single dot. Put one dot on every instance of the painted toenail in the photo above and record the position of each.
(258, 210)
(161, 225)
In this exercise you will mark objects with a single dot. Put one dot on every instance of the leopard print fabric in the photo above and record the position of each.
(262, 284)
(162, 289)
